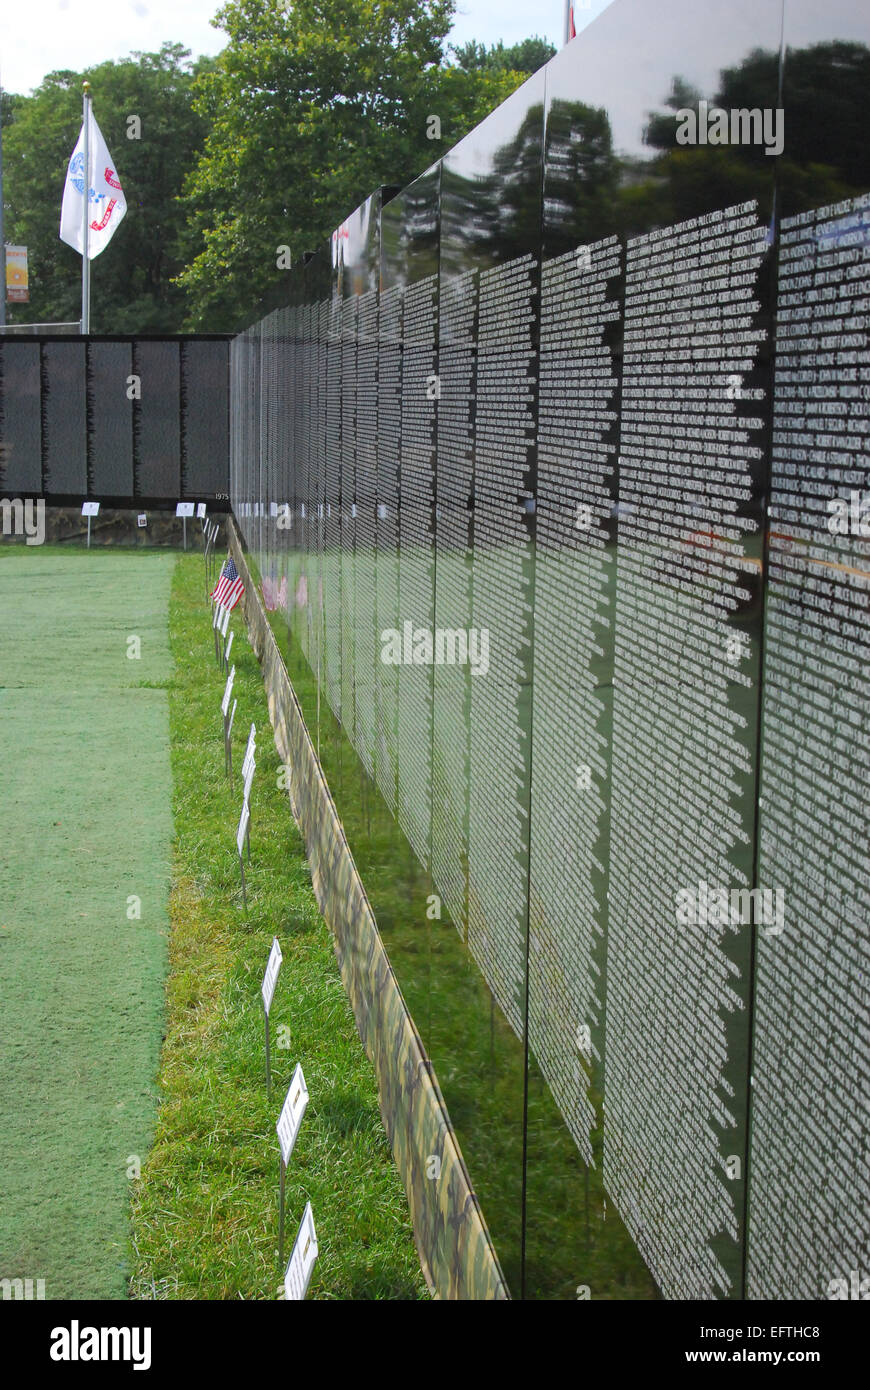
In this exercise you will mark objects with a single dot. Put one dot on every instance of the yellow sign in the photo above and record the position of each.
(16, 275)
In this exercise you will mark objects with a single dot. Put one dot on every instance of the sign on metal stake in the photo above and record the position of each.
(184, 510)
(240, 840)
(289, 1122)
(301, 1266)
(267, 993)
(90, 509)
(228, 724)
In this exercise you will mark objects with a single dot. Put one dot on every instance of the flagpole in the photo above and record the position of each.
(86, 262)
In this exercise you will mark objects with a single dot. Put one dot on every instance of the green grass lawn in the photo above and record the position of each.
(84, 735)
(206, 1207)
(91, 797)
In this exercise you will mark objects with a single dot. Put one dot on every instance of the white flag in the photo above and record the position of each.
(107, 203)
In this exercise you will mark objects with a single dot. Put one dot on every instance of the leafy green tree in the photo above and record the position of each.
(525, 57)
(132, 281)
(8, 102)
(310, 108)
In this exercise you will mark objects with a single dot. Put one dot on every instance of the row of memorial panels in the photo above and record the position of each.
(628, 676)
(134, 420)
(349, 578)
(387, 569)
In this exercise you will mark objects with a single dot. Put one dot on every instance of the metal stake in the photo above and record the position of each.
(268, 1055)
(281, 1213)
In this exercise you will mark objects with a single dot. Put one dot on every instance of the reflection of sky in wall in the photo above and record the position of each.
(472, 157)
(635, 41)
(619, 60)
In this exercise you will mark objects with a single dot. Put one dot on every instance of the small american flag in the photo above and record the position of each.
(229, 588)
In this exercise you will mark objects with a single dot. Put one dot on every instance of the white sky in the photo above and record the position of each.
(40, 36)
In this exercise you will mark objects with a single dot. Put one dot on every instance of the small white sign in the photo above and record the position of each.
(200, 511)
(90, 509)
(225, 702)
(292, 1111)
(229, 647)
(248, 760)
(142, 519)
(232, 717)
(243, 828)
(251, 747)
(184, 509)
(225, 622)
(216, 615)
(248, 775)
(301, 1265)
(270, 979)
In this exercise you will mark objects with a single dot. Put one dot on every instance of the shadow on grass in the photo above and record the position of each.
(345, 1112)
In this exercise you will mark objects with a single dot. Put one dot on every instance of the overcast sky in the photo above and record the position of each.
(39, 36)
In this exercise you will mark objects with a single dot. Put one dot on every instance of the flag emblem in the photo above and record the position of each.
(229, 588)
(102, 188)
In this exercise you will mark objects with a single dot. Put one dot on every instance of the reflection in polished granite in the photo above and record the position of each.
(543, 392)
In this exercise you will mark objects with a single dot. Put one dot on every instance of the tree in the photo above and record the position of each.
(8, 103)
(525, 57)
(310, 109)
(133, 287)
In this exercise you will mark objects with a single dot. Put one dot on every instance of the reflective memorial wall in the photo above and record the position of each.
(555, 471)
(124, 421)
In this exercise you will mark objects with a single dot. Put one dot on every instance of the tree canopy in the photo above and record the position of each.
(308, 109)
(133, 287)
(525, 57)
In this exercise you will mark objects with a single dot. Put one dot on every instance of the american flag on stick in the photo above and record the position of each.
(229, 588)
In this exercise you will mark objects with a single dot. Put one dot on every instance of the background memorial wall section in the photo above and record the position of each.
(120, 421)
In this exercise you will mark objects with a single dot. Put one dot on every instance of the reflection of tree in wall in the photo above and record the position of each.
(414, 236)
(516, 187)
(825, 93)
(581, 182)
(467, 222)
(497, 215)
(826, 156)
(582, 173)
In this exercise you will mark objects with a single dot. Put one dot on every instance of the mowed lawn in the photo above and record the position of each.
(86, 843)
